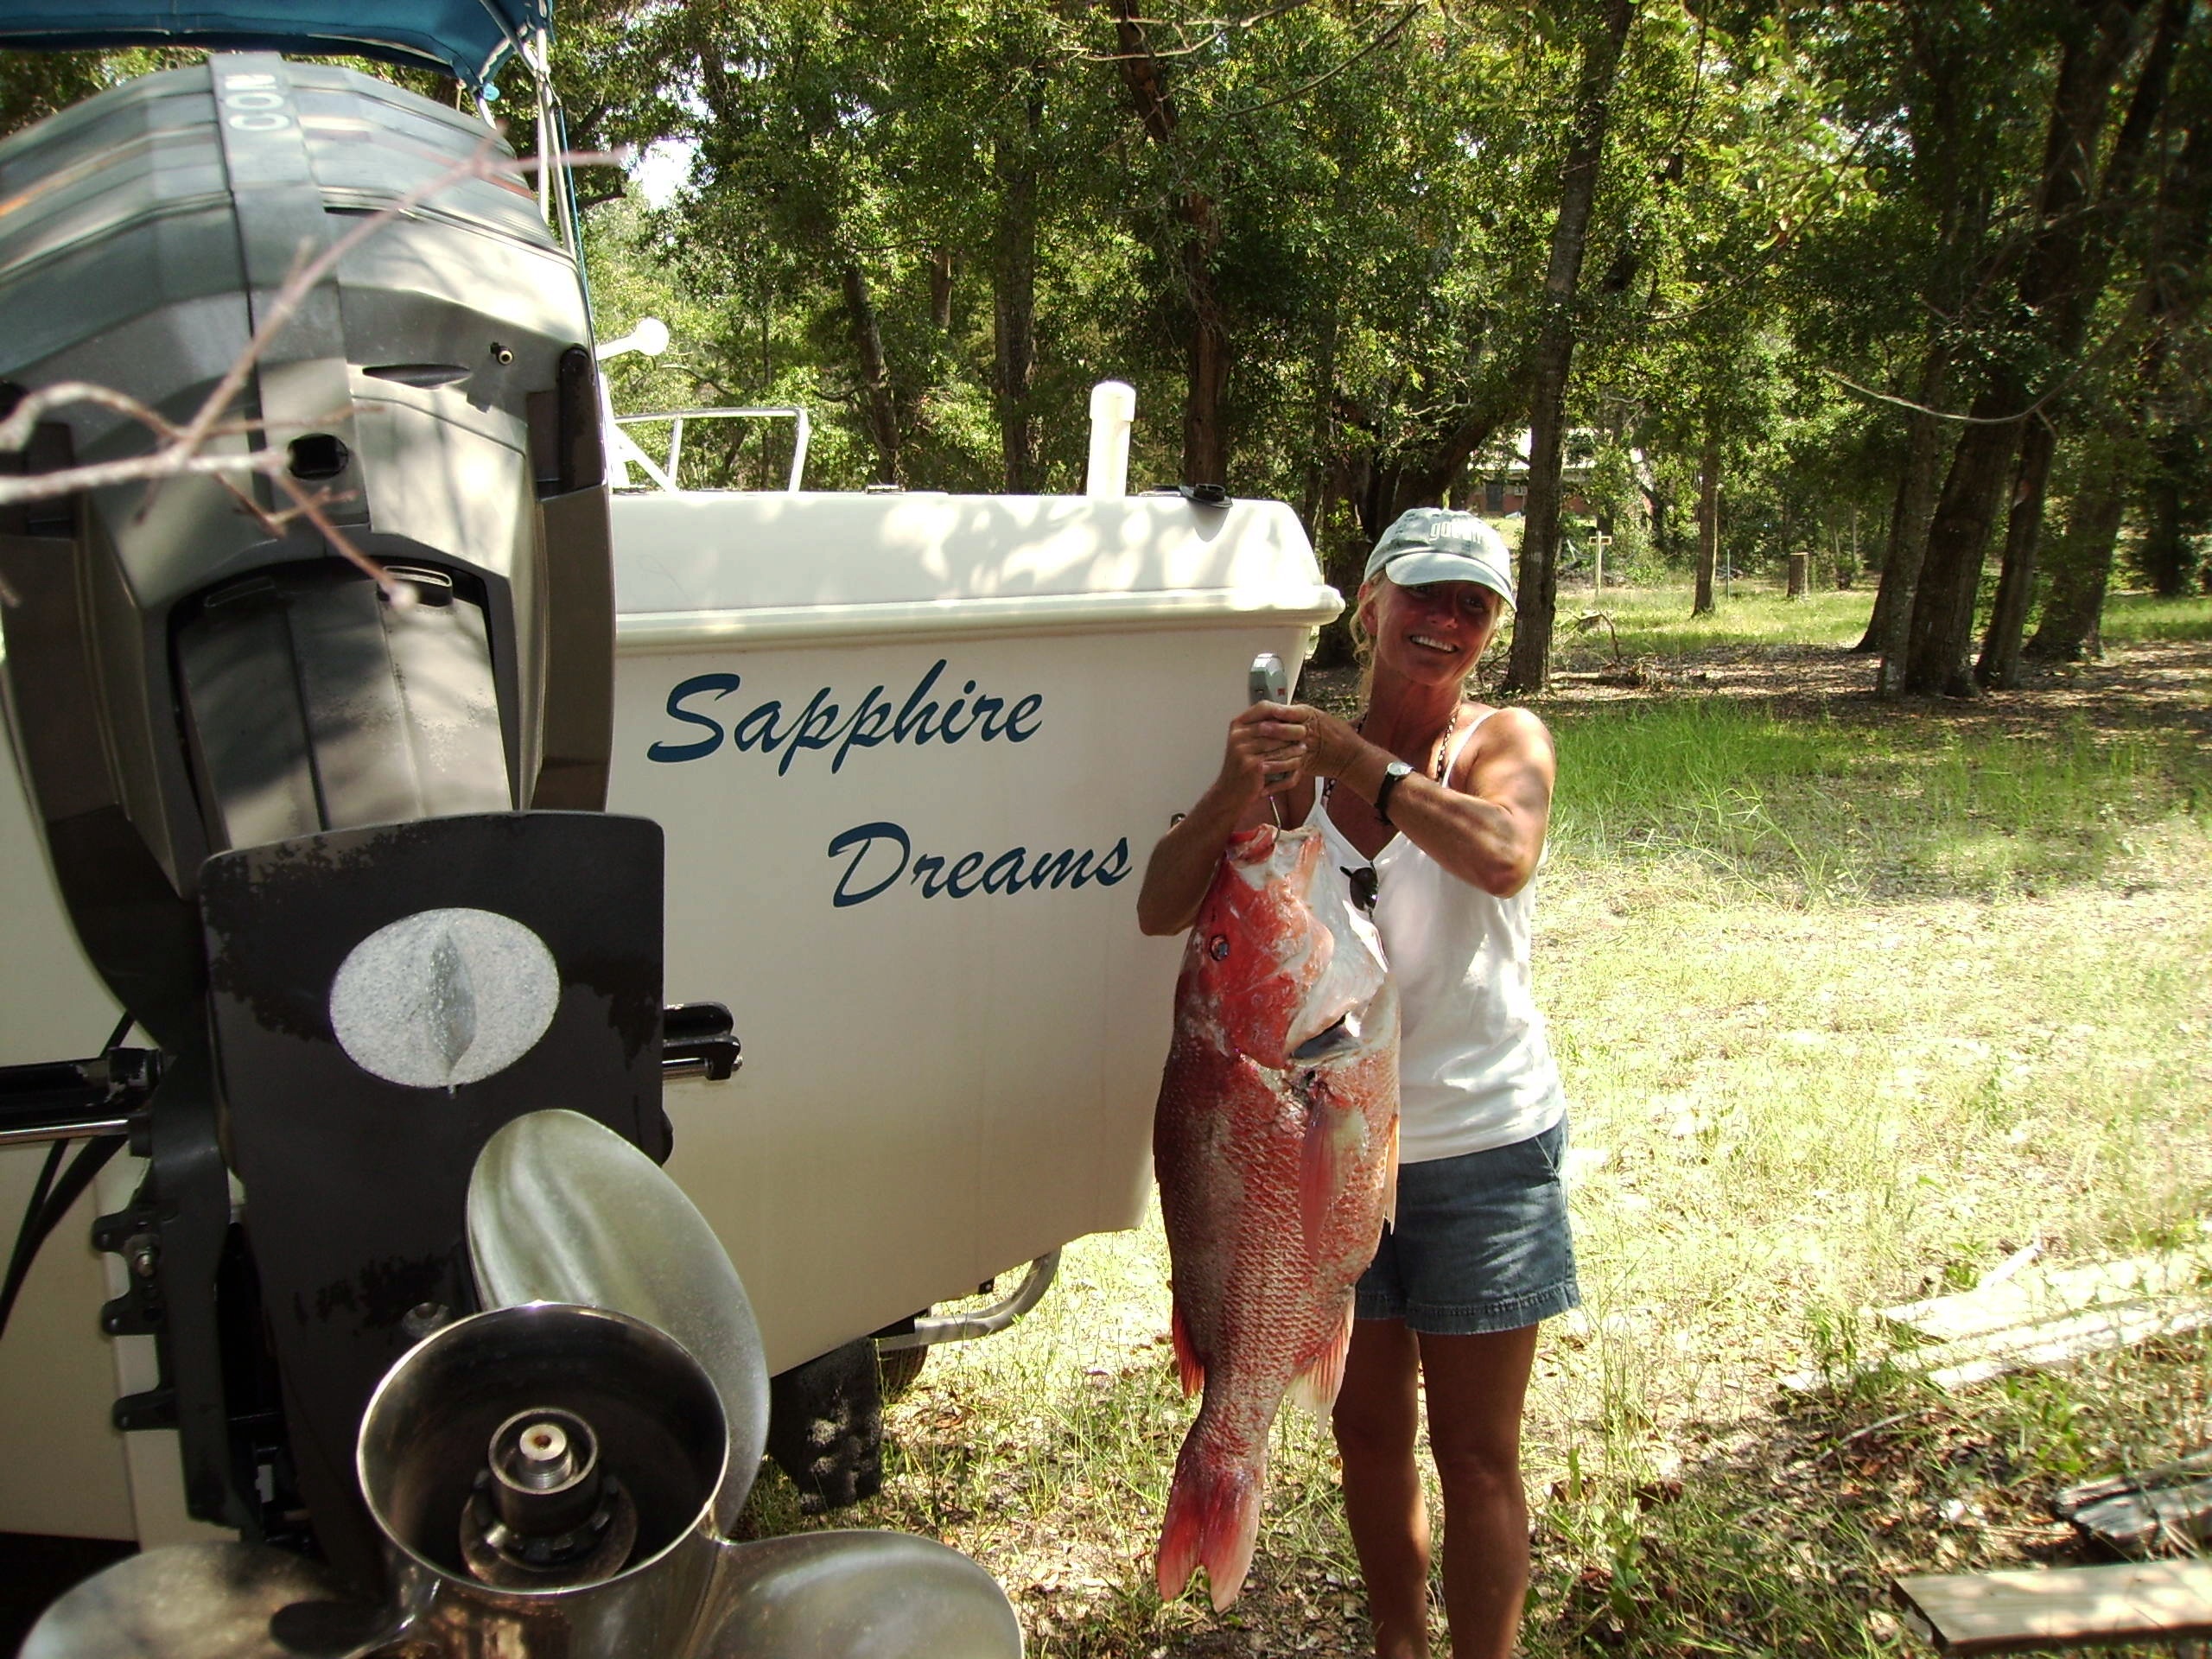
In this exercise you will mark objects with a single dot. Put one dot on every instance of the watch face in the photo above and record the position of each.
(1397, 769)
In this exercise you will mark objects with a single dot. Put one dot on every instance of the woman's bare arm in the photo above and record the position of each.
(1262, 758)
(1486, 824)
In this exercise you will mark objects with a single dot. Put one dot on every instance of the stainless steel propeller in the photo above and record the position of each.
(859, 1595)
(561, 1208)
(611, 1304)
(207, 1601)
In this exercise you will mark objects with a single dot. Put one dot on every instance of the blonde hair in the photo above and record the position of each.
(1363, 639)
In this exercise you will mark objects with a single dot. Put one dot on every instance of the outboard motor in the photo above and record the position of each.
(299, 815)
(321, 791)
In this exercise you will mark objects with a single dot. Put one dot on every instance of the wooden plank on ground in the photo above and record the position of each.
(1962, 1364)
(2163, 1510)
(2130, 1523)
(2037, 1315)
(2061, 1607)
(2188, 1467)
(2037, 1295)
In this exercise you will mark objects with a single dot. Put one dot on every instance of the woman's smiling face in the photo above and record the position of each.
(1435, 631)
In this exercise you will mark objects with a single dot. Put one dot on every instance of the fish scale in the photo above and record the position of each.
(1275, 1171)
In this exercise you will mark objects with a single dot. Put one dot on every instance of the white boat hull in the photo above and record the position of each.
(910, 754)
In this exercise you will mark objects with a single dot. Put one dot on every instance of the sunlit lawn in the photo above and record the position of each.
(1848, 1012)
(2130, 618)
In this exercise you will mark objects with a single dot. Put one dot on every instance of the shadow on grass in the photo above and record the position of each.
(1781, 1536)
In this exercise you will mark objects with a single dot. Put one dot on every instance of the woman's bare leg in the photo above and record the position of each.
(1377, 1415)
(1476, 1386)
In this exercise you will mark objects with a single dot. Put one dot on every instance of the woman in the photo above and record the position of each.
(1446, 801)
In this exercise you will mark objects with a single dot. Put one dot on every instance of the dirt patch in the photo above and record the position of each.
(2165, 685)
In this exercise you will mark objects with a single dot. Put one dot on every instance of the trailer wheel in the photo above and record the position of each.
(899, 1367)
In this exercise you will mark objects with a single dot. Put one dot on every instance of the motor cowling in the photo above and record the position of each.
(435, 387)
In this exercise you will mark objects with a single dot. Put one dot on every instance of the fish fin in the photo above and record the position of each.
(1390, 1178)
(1314, 1389)
(1188, 1366)
(1322, 1166)
(1213, 1522)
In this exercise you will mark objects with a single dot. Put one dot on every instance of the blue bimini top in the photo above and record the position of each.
(466, 39)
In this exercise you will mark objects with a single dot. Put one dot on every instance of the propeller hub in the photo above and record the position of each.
(543, 1510)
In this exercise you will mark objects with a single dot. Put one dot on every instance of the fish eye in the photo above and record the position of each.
(1218, 947)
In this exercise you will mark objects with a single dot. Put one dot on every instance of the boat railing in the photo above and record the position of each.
(626, 452)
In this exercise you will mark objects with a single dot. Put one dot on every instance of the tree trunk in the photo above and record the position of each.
(2172, 291)
(1014, 302)
(1419, 476)
(2059, 268)
(2168, 555)
(1885, 591)
(2072, 278)
(1999, 663)
(875, 372)
(940, 264)
(1708, 522)
(1205, 442)
(1207, 349)
(1958, 538)
(1554, 362)
(1321, 442)
(2082, 569)
(1923, 461)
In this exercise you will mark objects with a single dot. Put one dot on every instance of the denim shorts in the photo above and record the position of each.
(1480, 1244)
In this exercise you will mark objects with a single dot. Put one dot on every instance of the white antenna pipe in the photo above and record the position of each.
(1113, 409)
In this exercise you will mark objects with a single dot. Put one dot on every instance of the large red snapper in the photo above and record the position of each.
(1275, 1142)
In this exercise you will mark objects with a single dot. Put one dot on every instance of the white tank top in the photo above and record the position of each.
(1474, 1069)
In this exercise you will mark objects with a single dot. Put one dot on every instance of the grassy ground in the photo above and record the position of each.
(1851, 1003)
(2135, 618)
(1656, 621)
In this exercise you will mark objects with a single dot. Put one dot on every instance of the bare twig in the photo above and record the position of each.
(303, 278)
(22, 420)
(2031, 411)
(309, 505)
(162, 463)
(1594, 621)
(1857, 1434)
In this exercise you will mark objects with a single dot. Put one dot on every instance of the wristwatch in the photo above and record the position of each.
(1394, 774)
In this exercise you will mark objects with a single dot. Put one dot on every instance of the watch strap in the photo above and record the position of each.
(1393, 775)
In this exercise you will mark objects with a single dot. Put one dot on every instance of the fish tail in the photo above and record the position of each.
(1315, 1388)
(1213, 1521)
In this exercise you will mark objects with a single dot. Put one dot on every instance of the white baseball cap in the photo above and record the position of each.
(1426, 544)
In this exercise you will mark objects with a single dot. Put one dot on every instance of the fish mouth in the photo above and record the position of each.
(1307, 997)
(1340, 979)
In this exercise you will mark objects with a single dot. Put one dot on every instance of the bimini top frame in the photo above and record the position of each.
(466, 39)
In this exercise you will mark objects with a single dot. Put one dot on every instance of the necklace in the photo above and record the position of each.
(1437, 747)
